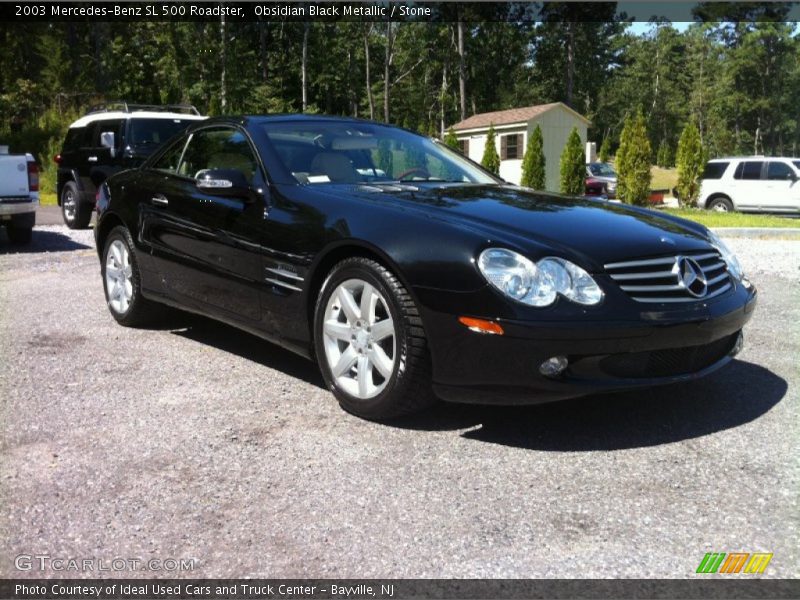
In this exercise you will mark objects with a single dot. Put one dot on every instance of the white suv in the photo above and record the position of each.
(755, 183)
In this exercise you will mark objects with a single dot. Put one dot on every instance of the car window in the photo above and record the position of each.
(779, 170)
(155, 131)
(749, 169)
(602, 170)
(74, 139)
(221, 148)
(114, 125)
(171, 158)
(323, 152)
(714, 170)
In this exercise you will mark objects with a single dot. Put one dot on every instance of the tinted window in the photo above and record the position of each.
(155, 131)
(218, 149)
(114, 125)
(603, 170)
(322, 151)
(714, 170)
(749, 170)
(779, 170)
(74, 138)
(170, 159)
(796, 163)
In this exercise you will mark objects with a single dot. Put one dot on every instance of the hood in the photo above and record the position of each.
(594, 232)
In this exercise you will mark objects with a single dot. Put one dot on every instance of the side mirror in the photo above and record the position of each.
(224, 182)
(107, 141)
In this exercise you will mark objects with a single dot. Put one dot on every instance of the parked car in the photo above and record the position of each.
(594, 188)
(110, 138)
(605, 173)
(751, 184)
(415, 269)
(19, 194)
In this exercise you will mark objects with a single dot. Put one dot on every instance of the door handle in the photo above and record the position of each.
(92, 159)
(160, 199)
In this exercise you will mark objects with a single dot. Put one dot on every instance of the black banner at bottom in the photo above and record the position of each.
(392, 589)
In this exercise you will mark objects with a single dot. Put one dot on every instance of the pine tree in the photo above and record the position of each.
(690, 160)
(662, 158)
(490, 160)
(633, 162)
(451, 140)
(533, 163)
(605, 149)
(573, 166)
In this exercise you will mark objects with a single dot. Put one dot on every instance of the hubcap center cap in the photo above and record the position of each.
(362, 340)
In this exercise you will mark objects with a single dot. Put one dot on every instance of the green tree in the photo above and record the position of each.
(690, 159)
(662, 157)
(633, 162)
(490, 160)
(573, 165)
(533, 162)
(451, 140)
(605, 149)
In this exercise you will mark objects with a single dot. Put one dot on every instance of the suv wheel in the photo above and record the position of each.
(76, 214)
(370, 342)
(720, 204)
(122, 281)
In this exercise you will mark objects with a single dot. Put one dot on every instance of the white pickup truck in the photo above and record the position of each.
(19, 194)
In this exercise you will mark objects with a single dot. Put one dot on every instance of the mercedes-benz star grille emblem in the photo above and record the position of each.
(691, 277)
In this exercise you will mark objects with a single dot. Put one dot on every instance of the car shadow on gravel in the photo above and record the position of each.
(42, 241)
(735, 395)
(232, 340)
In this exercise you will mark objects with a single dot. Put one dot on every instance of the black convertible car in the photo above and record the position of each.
(408, 270)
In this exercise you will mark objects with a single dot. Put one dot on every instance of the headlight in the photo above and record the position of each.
(537, 284)
(734, 268)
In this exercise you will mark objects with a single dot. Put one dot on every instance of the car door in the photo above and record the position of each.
(207, 247)
(782, 187)
(748, 190)
(103, 161)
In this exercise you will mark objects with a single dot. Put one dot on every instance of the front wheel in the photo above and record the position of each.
(122, 281)
(370, 342)
(75, 212)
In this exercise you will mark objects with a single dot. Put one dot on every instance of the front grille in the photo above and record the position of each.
(660, 279)
(668, 363)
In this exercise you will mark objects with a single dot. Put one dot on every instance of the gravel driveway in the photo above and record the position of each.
(196, 441)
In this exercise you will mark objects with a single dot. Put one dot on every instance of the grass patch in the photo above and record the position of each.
(47, 199)
(711, 218)
(663, 179)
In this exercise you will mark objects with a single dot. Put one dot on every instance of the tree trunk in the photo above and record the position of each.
(262, 43)
(462, 72)
(368, 80)
(386, 68)
(223, 92)
(443, 95)
(304, 67)
(570, 67)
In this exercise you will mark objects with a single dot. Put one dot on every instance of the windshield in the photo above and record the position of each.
(155, 131)
(345, 152)
(602, 170)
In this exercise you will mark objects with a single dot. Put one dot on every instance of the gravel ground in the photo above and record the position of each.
(198, 441)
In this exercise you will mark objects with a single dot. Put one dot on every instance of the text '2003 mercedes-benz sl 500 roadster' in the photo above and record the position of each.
(408, 272)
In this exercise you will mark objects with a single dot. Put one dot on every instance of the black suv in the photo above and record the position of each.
(110, 138)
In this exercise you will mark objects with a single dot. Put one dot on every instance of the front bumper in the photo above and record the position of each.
(658, 347)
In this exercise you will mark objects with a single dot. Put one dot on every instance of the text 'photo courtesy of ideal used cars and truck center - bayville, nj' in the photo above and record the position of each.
(399, 300)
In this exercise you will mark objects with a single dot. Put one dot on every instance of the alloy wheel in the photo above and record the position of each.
(119, 277)
(359, 339)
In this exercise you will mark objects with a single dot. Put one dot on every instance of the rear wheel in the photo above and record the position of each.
(370, 342)
(122, 281)
(76, 213)
(720, 204)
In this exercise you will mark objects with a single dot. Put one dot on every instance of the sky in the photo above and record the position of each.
(642, 28)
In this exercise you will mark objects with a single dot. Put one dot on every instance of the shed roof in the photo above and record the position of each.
(512, 115)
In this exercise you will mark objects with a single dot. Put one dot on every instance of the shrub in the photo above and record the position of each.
(633, 162)
(533, 163)
(573, 165)
(491, 160)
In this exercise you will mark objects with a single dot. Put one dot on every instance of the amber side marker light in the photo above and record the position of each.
(481, 326)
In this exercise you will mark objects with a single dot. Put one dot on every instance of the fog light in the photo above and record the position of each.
(553, 366)
(737, 347)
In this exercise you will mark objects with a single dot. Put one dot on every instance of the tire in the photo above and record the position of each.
(122, 287)
(76, 214)
(720, 204)
(20, 235)
(396, 366)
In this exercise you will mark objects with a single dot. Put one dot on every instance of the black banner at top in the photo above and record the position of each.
(402, 11)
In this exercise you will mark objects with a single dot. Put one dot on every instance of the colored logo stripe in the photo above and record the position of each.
(711, 562)
(758, 562)
(734, 562)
